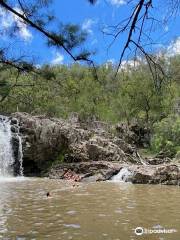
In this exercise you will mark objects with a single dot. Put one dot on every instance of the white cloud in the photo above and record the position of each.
(9, 19)
(23, 30)
(127, 65)
(6, 19)
(58, 59)
(109, 62)
(118, 3)
(38, 66)
(87, 25)
(174, 48)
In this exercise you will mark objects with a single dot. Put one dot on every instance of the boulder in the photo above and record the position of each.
(85, 171)
(168, 174)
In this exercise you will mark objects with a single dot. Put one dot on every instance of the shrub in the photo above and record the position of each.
(166, 135)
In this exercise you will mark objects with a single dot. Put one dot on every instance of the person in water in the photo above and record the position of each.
(48, 194)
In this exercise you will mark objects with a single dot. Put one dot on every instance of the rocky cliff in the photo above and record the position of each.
(47, 141)
(69, 149)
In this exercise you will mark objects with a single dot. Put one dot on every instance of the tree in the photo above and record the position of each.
(167, 135)
(138, 27)
(140, 99)
(67, 89)
(68, 36)
(35, 15)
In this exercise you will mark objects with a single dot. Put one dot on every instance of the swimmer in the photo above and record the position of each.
(48, 194)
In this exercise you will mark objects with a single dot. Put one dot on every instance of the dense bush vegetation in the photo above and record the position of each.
(167, 135)
(61, 90)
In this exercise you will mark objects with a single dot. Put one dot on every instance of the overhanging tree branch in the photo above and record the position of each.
(35, 26)
(51, 36)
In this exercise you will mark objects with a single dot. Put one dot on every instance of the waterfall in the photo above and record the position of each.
(6, 151)
(11, 156)
(123, 175)
(20, 156)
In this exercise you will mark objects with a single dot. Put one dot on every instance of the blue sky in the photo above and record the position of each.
(93, 19)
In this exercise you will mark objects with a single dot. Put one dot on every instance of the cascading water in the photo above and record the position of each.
(6, 152)
(20, 156)
(123, 175)
(7, 155)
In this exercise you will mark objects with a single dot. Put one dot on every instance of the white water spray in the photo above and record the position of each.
(6, 152)
(7, 158)
(20, 156)
(122, 176)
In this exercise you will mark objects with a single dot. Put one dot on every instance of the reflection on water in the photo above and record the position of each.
(98, 211)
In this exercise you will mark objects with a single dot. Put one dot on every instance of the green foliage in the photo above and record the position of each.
(142, 100)
(4, 89)
(69, 35)
(177, 157)
(167, 135)
(37, 14)
(59, 159)
(60, 90)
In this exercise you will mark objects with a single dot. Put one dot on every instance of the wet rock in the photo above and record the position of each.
(95, 178)
(15, 144)
(14, 129)
(85, 171)
(14, 121)
(102, 171)
(164, 174)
